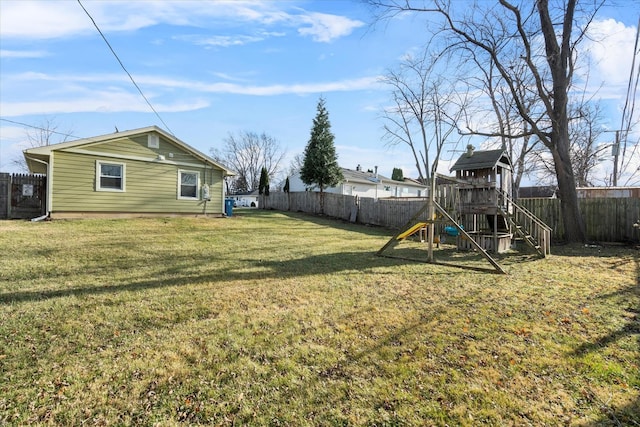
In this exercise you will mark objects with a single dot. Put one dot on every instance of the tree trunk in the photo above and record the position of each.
(574, 229)
(559, 60)
(569, 205)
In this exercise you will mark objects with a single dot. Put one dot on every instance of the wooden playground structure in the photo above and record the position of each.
(477, 209)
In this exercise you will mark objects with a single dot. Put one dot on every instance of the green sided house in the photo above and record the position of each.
(141, 172)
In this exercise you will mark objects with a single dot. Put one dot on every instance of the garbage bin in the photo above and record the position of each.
(228, 207)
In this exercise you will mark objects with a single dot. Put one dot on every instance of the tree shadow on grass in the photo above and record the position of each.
(326, 221)
(189, 270)
(628, 415)
(448, 256)
(595, 250)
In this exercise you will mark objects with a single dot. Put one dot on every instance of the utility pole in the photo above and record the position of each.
(616, 152)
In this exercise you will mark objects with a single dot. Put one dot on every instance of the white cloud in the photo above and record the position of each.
(38, 19)
(326, 28)
(22, 53)
(229, 77)
(103, 92)
(33, 19)
(363, 83)
(610, 52)
(109, 100)
(265, 90)
(220, 41)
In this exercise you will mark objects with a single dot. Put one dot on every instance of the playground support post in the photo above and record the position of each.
(432, 211)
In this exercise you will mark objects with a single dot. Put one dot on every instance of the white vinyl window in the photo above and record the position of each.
(110, 176)
(188, 184)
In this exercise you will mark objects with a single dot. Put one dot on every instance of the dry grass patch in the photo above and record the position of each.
(269, 318)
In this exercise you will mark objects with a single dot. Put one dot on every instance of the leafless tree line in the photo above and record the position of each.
(247, 153)
(504, 72)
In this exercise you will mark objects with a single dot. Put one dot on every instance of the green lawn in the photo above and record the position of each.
(270, 318)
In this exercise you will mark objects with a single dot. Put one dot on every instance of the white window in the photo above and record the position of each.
(110, 176)
(188, 184)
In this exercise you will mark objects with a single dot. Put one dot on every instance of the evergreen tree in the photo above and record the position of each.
(397, 174)
(287, 190)
(263, 188)
(320, 166)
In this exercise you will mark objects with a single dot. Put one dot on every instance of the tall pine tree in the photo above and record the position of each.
(320, 166)
(397, 174)
(263, 187)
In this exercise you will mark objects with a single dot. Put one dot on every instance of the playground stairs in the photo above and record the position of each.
(527, 226)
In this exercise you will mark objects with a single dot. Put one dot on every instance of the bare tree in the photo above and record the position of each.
(585, 129)
(296, 163)
(586, 153)
(46, 133)
(247, 153)
(508, 129)
(544, 39)
(424, 112)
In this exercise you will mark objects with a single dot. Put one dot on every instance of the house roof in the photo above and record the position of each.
(351, 175)
(46, 150)
(545, 191)
(372, 178)
(486, 159)
(246, 193)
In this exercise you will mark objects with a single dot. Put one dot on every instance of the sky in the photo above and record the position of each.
(214, 68)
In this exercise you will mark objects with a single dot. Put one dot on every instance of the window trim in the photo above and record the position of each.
(123, 167)
(192, 172)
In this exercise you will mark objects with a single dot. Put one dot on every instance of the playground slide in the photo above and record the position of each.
(412, 230)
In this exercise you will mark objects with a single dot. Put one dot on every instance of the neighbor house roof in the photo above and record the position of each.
(245, 193)
(351, 175)
(372, 178)
(46, 150)
(486, 159)
(544, 191)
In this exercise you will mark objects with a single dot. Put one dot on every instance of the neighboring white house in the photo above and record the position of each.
(366, 184)
(245, 199)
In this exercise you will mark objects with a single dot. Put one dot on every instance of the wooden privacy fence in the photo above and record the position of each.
(22, 196)
(606, 220)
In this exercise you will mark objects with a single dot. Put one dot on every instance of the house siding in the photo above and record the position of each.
(150, 187)
(137, 146)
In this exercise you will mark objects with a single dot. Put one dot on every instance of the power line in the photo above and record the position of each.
(39, 128)
(123, 67)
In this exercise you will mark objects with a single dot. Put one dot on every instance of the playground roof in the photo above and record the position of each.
(486, 159)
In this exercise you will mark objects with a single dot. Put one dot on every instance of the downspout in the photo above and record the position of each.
(49, 183)
(202, 188)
